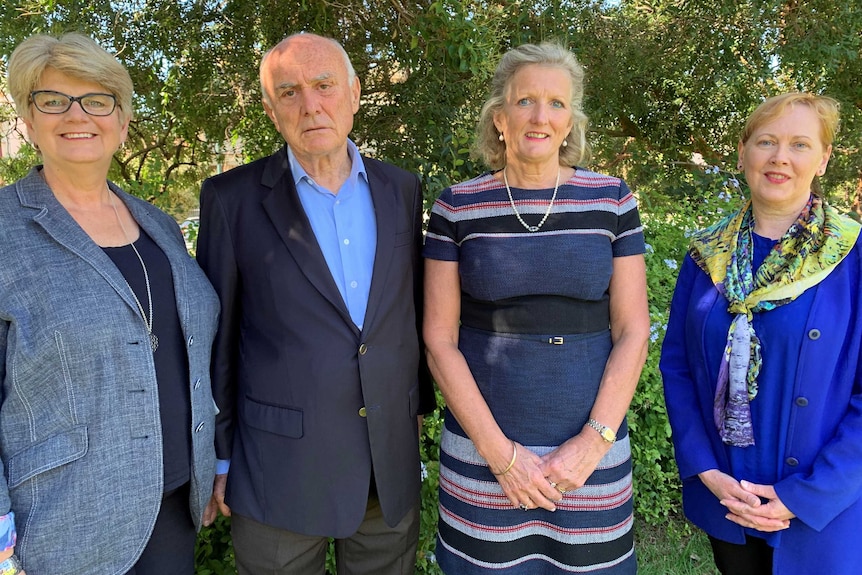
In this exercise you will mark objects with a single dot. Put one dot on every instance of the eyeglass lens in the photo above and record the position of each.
(51, 102)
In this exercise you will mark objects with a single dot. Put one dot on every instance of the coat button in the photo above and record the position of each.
(362, 411)
(362, 349)
(814, 334)
(802, 401)
(200, 427)
(791, 461)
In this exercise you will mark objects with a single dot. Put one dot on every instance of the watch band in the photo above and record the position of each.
(11, 566)
(606, 432)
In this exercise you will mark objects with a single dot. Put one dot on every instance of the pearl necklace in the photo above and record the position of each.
(547, 212)
(148, 323)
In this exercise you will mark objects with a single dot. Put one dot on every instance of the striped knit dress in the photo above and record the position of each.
(535, 333)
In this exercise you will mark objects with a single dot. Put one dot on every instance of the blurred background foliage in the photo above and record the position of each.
(669, 84)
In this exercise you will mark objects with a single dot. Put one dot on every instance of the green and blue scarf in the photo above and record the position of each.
(806, 254)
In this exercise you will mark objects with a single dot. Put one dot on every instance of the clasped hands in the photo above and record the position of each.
(749, 504)
(540, 481)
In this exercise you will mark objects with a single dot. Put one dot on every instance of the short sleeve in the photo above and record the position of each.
(441, 239)
(629, 236)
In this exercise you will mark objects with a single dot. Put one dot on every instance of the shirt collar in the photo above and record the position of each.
(357, 166)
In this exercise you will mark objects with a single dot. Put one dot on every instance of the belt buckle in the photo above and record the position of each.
(556, 340)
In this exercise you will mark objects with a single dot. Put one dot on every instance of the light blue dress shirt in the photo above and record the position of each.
(345, 227)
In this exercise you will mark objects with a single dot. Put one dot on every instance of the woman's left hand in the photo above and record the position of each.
(571, 464)
(769, 516)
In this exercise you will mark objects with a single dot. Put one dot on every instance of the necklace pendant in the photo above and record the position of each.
(533, 228)
(154, 341)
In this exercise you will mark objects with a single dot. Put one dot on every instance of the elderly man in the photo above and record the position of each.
(315, 254)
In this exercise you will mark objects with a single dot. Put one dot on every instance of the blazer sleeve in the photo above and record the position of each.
(691, 432)
(427, 398)
(216, 256)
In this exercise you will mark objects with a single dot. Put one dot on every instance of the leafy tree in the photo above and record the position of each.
(669, 85)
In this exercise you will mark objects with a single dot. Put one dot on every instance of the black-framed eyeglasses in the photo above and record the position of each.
(51, 102)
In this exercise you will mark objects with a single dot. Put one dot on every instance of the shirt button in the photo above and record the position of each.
(362, 349)
(791, 461)
(802, 401)
(346, 242)
(362, 411)
(814, 334)
(353, 284)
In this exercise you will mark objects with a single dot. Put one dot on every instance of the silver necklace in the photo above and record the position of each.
(547, 212)
(148, 323)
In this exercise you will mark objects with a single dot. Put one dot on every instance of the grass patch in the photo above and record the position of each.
(676, 548)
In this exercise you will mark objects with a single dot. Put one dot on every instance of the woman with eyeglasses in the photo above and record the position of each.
(106, 325)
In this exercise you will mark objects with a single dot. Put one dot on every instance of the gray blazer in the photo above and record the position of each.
(80, 434)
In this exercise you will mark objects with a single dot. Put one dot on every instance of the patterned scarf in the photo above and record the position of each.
(803, 257)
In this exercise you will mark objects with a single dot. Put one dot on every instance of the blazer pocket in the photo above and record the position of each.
(286, 421)
(50, 453)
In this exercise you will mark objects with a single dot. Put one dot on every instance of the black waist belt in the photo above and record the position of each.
(536, 315)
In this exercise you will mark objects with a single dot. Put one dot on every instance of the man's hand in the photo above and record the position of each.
(216, 503)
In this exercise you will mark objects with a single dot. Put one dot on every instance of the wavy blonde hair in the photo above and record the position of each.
(488, 146)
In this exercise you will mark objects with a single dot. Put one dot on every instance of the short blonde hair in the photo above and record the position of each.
(72, 54)
(826, 109)
(488, 146)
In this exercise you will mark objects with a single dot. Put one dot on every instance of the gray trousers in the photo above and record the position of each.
(375, 548)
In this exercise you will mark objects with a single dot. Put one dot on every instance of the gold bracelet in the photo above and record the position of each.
(511, 463)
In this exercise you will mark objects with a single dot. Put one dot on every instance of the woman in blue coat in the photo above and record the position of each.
(106, 326)
(761, 360)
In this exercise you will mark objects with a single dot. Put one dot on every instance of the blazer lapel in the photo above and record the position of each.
(385, 199)
(34, 193)
(284, 208)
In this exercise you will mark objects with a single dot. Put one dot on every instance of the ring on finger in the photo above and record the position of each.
(523, 507)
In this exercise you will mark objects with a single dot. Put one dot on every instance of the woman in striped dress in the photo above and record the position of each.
(536, 326)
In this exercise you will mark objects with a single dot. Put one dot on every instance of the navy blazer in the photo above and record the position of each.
(821, 470)
(309, 403)
(80, 430)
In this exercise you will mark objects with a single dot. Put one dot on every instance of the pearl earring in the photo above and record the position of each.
(501, 137)
(565, 143)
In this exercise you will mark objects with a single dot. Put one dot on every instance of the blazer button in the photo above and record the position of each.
(362, 411)
(362, 349)
(814, 334)
(802, 401)
(791, 461)
(200, 427)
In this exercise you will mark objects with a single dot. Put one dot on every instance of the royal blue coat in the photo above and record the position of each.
(821, 470)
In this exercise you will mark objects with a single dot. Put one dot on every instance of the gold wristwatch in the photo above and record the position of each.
(606, 432)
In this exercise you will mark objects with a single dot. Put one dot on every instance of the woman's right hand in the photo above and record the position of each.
(526, 484)
(725, 487)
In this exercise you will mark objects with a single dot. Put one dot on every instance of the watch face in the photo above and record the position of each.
(609, 435)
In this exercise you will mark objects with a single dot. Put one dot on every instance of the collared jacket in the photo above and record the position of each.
(821, 469)
(80, 431)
